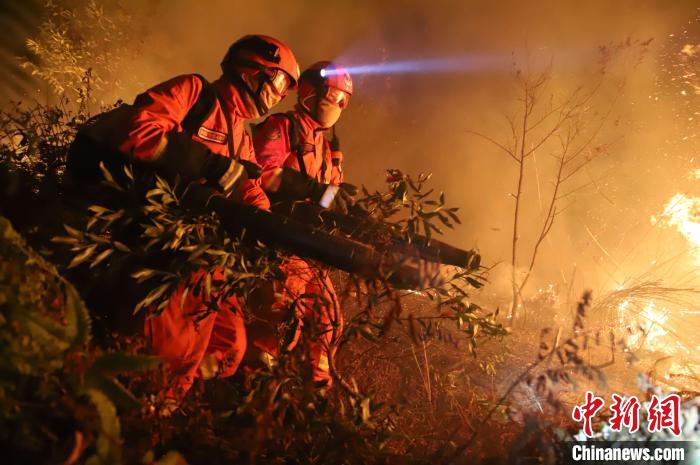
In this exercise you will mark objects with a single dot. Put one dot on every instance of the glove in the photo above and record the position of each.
(295, 185)
(338, 196)
(253, 170)
(193, 160)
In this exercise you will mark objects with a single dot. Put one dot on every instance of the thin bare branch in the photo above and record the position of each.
(508, 151)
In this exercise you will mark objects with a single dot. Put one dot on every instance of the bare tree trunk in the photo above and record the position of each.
(514, 250)
(516, 214)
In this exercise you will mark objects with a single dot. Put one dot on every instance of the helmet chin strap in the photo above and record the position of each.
(312, 113)
(238, 80)
(262, 108)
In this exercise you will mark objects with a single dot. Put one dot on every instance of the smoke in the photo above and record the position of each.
(427, 73)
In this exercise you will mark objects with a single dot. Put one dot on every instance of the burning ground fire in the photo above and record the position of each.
(650, 331)
(651, 328)
(650, 321)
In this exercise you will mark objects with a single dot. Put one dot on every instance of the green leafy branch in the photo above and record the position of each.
(410, 207)
(172, 243)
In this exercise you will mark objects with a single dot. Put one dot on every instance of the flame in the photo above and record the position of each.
(682, 212)
(650, 331)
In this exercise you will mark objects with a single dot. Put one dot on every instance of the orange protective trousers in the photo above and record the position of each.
(307, 289)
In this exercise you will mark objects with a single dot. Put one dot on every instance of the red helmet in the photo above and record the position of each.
(260, 51)
(324, 74)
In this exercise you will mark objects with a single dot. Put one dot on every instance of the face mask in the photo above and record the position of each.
(327, 113)
(251, 108)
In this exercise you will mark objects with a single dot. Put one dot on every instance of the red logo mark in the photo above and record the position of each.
(625, 413)
(587, 411)
(665, 414)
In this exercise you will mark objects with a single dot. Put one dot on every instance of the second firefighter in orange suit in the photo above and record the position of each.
(299, 163)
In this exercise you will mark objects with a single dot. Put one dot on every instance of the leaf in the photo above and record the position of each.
(143, 274)
(78, 323)
(185, 293)
(429, 226)
(109, 440)
(64, 240)
(207, 284)
(151, 297)
(128, 172)
(72, 231)
(121, 247)
(445, 221)
(105, 253)
(454, 216)
(81, 257)
(91, 222)
(43, 330)
(97, 209)
(108, 177)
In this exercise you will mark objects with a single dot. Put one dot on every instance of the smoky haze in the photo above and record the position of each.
(419, 122)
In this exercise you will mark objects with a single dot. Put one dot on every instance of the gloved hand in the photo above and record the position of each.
(193, 160)
(253, 170)
(298, 186)
(335, 196)
(345, 198)
(225, 173)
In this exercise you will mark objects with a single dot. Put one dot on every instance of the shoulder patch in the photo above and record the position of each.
(211, 135)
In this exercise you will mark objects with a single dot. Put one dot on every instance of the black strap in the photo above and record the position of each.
(235, 154)
(202, 108)
(295, 142)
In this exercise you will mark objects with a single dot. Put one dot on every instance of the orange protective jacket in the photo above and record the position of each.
(161, 109)
(275, 147)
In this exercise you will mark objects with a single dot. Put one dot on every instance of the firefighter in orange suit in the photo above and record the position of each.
(300, 163)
